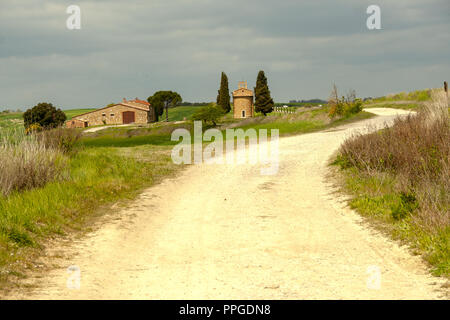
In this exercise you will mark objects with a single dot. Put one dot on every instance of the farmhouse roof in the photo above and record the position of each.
(137, 100)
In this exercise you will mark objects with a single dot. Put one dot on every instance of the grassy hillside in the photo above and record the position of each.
(179, 113)
(418, 95)
(403, 100)
(75, 112)
(10, 120)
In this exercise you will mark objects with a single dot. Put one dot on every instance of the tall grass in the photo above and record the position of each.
(62, 139)
(26, 163)
(409, 164)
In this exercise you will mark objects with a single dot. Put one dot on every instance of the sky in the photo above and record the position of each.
(133, 48)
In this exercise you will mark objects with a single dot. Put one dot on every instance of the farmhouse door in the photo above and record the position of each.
(128, 117)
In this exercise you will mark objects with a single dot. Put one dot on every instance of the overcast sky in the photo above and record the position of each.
(134, 48)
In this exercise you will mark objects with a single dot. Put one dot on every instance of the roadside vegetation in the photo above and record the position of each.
(399, 178)
(27, 162)
(345, 106)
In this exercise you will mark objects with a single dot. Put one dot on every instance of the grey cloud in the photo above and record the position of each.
(135, 47)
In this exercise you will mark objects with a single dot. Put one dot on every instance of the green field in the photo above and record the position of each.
(75, 112)
(179, 113)
(11, 120)
(418, 95)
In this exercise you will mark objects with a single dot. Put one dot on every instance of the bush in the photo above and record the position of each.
(210, 113)
(33, 128)
(45, 115)
(345, 106)
(407, 205)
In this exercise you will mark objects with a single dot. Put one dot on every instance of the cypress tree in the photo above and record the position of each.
(223, 99)
(263, 101)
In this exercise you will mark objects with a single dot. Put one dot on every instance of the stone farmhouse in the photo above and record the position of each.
(132, 111)
(243, 101)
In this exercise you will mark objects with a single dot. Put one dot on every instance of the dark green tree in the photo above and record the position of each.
(44, 114)
(263, 101)
(163, 100)
(223, 98)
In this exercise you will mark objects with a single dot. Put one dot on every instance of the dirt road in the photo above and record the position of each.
(227, 232)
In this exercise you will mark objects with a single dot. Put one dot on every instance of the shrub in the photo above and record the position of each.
(353, 107)
(343, 107)
(407, 205)
(210, 113)
(33, 128)
(44, 114)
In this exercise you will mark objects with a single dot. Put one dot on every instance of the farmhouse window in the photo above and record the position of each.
(112, 114)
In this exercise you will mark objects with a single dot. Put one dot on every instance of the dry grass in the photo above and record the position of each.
(417, 150)
(415, 154)
(62, 139)
(28, 162)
